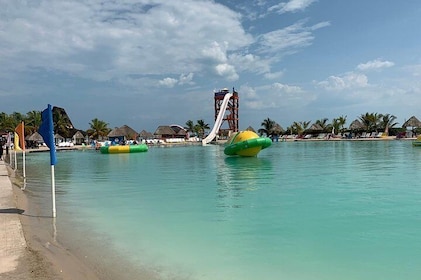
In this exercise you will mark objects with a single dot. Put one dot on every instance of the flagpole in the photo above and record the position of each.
(53, 191)
(24, 169)
(16, 162)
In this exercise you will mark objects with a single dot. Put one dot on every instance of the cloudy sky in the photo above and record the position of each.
(147, 63)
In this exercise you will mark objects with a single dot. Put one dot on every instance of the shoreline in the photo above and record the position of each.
(43, 257)
(54, 251)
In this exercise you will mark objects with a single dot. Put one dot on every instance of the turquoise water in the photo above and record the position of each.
(300, 210)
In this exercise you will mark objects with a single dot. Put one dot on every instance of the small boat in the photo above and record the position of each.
(246, 144)
(417, 142)
(124, 149)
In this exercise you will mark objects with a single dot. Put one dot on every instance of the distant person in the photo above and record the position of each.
(1, 151)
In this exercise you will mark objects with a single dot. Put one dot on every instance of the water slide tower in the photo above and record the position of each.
(231, 115)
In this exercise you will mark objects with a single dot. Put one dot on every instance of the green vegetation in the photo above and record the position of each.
(199, 128)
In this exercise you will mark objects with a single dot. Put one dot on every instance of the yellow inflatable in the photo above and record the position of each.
(246, 144)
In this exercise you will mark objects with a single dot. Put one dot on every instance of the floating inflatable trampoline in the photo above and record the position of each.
(124, 149)
(246, 144)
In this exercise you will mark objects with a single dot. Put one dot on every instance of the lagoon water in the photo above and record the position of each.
(299, 210)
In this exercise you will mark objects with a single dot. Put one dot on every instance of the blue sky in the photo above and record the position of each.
(155, 62)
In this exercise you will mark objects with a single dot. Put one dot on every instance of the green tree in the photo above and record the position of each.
(370, 121)
(189, 126)
(387, 121)
(200, 127)
(33, 121)
(98, 129)
(267, 127)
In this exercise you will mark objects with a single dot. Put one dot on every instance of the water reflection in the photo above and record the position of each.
(237, 177)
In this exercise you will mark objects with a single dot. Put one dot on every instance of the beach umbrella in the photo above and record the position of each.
(356, 125)
(412, 122)
(250, 128)
(277, 129)
(315, 127)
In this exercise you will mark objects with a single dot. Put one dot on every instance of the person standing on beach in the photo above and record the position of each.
(1, 150)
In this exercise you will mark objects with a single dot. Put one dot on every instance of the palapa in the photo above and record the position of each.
(36, 137)
(277, 129)
(250, 128)
(145, 135)
(412, 122)
(356, 125)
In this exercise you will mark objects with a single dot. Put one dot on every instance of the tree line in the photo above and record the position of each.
(368, 122)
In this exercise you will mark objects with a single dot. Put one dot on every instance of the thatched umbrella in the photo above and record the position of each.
(315, 127)
(250, 129)
(412, 122)
(356, 125)
(277, 129)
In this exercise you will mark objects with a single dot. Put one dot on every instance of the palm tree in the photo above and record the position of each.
(8, 122)
(338, 124)
(98, 129)
(370, 121)
(386, 122)
(200, 127)
(33, 121)
(189, 126)
(268, 126)
(299, 127)
(323, 124)
(60, 124)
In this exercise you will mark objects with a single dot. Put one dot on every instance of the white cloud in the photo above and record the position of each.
(108, 40)
(275, 95)
(168, 82)
(375, 64)
(186, 79)
(291, 6)
(288, 39)
(274, 75)
(227, 71)
(349, 80)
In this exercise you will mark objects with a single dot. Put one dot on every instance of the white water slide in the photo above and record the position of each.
(219, 119)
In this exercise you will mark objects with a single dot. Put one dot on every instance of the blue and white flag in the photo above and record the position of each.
(47, 132)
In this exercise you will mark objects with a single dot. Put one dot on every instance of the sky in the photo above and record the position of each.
(148, 63)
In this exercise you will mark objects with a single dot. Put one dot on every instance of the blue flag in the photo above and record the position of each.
(47, 132)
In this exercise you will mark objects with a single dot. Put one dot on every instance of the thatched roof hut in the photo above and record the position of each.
(412, 122)
(36, 137)
(145, 135)
(58, 137)
(165, 131)
(129, 132)
(78, 138)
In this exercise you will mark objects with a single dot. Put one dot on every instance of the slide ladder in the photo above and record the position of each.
(218, 121)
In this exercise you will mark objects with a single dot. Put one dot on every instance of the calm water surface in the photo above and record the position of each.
(300, 210)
